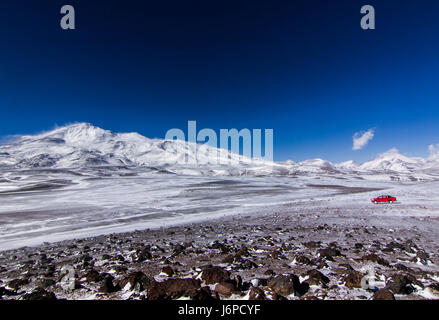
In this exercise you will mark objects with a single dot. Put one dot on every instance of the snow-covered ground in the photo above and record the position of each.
(49, 205)
(80, 181)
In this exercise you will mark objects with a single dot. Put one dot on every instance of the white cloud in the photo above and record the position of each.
(361, 139)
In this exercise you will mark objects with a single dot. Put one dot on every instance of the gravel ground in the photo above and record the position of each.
(315, 249)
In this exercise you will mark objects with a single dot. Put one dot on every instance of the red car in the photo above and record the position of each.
(388, 199)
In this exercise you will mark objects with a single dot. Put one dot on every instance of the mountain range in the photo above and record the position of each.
(84, 145)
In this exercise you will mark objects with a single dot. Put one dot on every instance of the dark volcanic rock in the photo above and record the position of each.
(316, 278)
(329, 253)
(257, 294)
(137, 281)
(374, 258)
(40, 294)
(107, 285)
(93, 276)
(225, 288)
(168, 271)
(174, 289)
(45, 283)
(143, 255)
(285, 285)
(269, 272)
(247, 264)
(17, 283)
(6, 292)
(402, 284)
(178, 248)
(383, 294)
(303, 260)
(203, 294)
(391, 246)
(422, 257)
(353, 279)
(312, 244)
(214, 275)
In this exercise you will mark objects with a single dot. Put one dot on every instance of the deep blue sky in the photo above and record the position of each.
(304, 68)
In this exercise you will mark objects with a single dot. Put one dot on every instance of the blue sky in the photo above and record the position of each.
(303, 68)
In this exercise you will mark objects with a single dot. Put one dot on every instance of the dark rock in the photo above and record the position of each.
(402, 284)
(17, 283)
(401, 267)
(231, 258)
(49, 270)
(347, 266)
(168, 271)
(178, 248)
(6, 292)
(375, 258)
(257, 294)
(329, 253)
(303, 260)
(277, 254)
(137, 280)
(203, 294)
(93, 276)
(358, 246)
(383, 294)
(225, 288)
(434, 288)
(45, 283)
(285, 285)
(107, 285)
(262, 282)
(237, 282)
(392, 246)
(40, 294)
(173, 289)
(353, 279)
(214, 275)
(312, 244)
(243, 252)
(247, 264)
(316, 278)
(269, 272)
(143, 255)
(422, 257)
(220, 246)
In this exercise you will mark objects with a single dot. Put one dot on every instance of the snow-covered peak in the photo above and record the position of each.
(317, 163)
(392, 160)
(84, 145)
(348, 165)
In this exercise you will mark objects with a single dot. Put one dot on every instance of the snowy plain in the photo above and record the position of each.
(39, 207)
(80, 181)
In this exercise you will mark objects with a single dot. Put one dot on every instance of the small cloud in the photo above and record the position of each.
(361, 139)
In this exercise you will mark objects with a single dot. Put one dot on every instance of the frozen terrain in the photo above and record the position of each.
(136, 218)
(80, 180)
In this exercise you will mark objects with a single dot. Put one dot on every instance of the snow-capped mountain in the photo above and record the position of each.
(348, 165)
(316, 165)
(392, 160)
(83, 145)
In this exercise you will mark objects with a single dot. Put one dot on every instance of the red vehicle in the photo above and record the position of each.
(387, 198)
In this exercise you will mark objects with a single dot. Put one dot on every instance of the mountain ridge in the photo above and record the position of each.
(85, 145)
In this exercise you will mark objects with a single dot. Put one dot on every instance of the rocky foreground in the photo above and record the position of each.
(289, 254)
